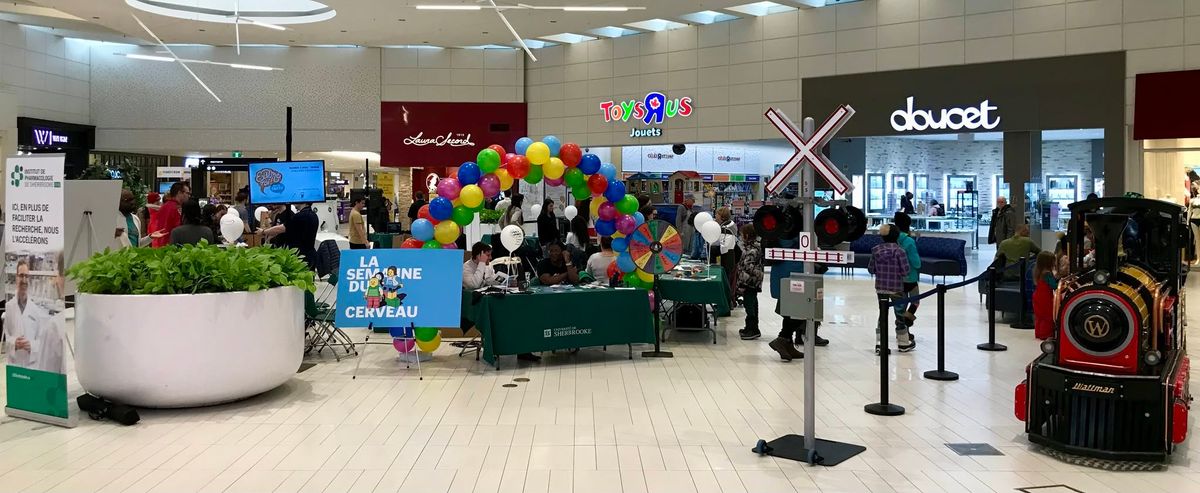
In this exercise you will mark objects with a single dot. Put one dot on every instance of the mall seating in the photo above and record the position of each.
(939, 256)
(1008, 293)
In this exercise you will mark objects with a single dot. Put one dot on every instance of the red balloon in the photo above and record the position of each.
(598, 183)
(499, 150)
(415, 243)
(518, 167)
(613, 270)
(504, 158)
(570, 154)
(423, 213)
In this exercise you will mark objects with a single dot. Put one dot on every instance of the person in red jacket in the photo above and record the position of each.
(1043, 296)
(168, 216)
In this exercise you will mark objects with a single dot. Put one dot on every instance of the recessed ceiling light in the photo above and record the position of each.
(402, 20)
(94, 17)
(201, 30)
(552, 21)
(343, 30)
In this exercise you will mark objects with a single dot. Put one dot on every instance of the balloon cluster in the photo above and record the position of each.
(426, 339)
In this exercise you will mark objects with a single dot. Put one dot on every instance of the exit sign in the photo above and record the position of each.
(237, 153)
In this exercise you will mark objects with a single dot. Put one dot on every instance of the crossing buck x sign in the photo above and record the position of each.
(809, 149)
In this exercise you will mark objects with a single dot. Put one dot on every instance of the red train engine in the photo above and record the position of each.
(1113, 381)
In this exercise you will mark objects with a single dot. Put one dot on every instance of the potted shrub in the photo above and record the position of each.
(188, 326)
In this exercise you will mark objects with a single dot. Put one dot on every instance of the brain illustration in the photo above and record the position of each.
(268, 177)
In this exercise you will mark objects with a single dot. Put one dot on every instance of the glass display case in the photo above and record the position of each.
(876, 192)
(1063, 189)
(921, 192)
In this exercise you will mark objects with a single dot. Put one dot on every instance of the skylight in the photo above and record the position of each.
(656, 25)
(759, 9)
(612, 32)
(534, 44)
(707, 17)
(568, 38)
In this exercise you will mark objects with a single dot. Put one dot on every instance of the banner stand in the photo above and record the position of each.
(69, 422)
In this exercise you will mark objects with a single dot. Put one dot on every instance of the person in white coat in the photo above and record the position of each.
(478, 272)
(34, 337)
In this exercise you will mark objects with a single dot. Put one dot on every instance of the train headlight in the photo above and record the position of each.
(1153, 357)
(1101, 277)
(1048, 346)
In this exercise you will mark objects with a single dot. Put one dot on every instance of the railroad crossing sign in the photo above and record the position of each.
(809, 149)
(806, 253)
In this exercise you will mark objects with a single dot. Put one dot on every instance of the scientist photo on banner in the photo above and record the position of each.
(33, 332)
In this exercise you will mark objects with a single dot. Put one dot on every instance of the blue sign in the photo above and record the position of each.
(752, 178)
(398, 287)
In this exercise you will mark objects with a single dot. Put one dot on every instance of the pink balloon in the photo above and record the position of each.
(448, 188)
(607, 211)
(625, 223)
(651, 293)
(450, 246)
(553, 182)
(404, 345)
(490, 183)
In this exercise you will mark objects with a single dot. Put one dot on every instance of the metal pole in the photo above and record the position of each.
(288, 135)
(941, 373)
(808, 191)
(991, 345)
(883, 407)
(1021, 323)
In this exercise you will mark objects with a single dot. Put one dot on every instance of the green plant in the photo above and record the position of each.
(129, 174)
(489, 216)
(191, 269)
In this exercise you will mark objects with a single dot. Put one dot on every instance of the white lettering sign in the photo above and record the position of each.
(45, 137)
(450, 139)
(970, 118)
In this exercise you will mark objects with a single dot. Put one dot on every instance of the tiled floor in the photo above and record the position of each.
(594, 422)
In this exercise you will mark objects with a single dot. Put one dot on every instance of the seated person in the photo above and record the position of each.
(192, 230)
(1013, 249)
(597, 264)
(478, 272)
(557, 267)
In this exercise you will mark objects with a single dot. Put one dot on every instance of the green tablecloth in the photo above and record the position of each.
(714, 291)
(547, 319)
(384, 240)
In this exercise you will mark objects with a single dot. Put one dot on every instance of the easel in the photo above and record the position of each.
(86, 227)
(413, 354)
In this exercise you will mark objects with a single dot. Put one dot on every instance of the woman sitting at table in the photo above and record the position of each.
(597, 264)
(557, 267)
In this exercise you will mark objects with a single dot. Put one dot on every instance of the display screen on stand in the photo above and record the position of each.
(287, 182)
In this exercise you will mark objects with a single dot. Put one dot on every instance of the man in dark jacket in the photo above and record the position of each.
(415, 208)
(1005, 220)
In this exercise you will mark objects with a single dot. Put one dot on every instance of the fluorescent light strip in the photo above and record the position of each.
(244, 20)
(154, 58)
(449, 7)
(150, 57)
(596, 9)
(513, 31)
(176, 57)
(522, 6)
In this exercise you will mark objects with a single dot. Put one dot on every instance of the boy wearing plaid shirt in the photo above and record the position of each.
(889, 264)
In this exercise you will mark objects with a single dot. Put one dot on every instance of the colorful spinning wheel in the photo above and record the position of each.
(655, 247)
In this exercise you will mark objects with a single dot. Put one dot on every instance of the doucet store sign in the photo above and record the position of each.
(970, 118)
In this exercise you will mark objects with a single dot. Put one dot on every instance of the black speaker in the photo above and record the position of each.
(678, 149)
(377, 213)
(99, 408)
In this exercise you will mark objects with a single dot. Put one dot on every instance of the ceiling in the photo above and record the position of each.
(368, 22)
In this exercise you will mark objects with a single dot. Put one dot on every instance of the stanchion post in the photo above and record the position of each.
(1021, 322)
(657, 352)
(883, 407)
(991, 345)
(940, 373)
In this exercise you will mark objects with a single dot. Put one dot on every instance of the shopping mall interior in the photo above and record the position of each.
(599, 245)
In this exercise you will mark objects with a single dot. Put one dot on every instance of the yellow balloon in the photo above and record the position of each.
(506, 180)
(596, 201)
(457, 202)
(471, 196)
(645, 276)
(446, 232)
(431, 345)
(618, 234)
(554, 169)
(538, 153)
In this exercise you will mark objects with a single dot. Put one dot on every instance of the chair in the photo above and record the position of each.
(320, 330)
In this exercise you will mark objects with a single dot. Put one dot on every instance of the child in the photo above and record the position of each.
(1043, 296)
(750, 278)
(909, 314)
(889, 264)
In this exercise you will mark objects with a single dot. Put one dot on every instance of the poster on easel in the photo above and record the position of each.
(34, 322)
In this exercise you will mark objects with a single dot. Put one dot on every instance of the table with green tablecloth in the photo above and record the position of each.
(708, 287)
(550, 318)
(384, 240)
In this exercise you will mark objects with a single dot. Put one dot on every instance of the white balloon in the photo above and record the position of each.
(512, 236)
(231, 227)
(258, 213)
(232, 211)
(570, 212)
(536, 210)
(711, 231)
(701, 218)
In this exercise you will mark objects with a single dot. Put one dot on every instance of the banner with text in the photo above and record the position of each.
(397, 287)
(34, 325)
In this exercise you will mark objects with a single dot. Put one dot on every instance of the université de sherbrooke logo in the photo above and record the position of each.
(17, 175)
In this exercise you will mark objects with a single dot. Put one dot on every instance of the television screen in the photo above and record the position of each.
(163, 188)
(287, 182)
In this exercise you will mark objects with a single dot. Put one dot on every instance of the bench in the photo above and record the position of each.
(939, 256)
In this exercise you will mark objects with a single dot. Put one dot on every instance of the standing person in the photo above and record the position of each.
(909, 245)
(358, 225)
(241, 203)
(1004, 222)
(750, 278)
(906, 203)
(193, 228)
(415, 209)
(299, 232)
(169, 215)
(511, 217)
(131, 234)
(33, 337)
(547, 225)
(1043, 296)
(477, 272)
(889, 264)
(578, 236)
(728, 253)
(598, 263)
(148, 214)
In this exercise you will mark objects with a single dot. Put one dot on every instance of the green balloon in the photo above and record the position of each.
(581, 193)
(627, 205)
(575, 178)
(462, 214)
(534, 176)
(431, 244)
(488, 161)
(632, 280)
(426, 334)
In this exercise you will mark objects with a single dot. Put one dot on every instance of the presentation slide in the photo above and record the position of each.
(287, 182)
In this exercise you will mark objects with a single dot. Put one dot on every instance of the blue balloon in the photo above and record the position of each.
(523, 143)
(441, 208)
(625, 263)
(609, 171)
(468, 174)
(401, 332)
(640, 218)
(589, 164)
(615, 191)
(606, 228)
(620, 244)
(422, 229)
(553, 143)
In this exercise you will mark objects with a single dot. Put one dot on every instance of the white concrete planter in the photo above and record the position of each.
(188, 350)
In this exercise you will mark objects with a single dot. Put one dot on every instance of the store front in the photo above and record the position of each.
(1165, 122)
(39, 136)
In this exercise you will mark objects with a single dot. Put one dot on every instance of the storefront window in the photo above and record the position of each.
(921, 192)
(875, 192)
(961, 195)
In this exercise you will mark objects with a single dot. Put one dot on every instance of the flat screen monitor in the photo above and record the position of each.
(287, 182)
(165, 187)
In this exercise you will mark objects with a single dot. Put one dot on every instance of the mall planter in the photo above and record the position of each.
(185, 350)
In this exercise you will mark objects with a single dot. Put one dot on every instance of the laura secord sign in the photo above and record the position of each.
(446, 134)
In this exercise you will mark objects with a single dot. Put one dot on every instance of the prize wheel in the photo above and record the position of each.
(858, 222)
(655, 247)
(831, 225)
(770, 222)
